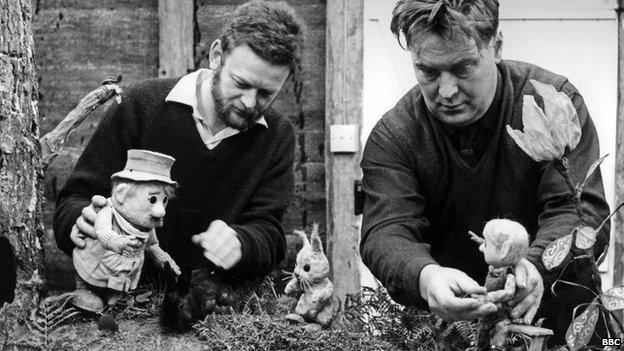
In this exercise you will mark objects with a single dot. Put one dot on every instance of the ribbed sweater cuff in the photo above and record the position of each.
(412, 279)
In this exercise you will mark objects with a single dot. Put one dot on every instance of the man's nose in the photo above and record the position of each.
(448, 85)
(249, 98)
(158, 210)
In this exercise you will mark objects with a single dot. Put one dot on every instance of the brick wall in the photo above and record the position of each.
(80, 42)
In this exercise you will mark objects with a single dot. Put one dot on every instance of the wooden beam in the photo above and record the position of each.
(176, 46)
(618, 222)
(343, 105)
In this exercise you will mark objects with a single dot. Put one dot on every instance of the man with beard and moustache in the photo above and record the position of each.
(234, 154)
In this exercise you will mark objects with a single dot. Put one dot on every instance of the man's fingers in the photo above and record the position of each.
(469, 308)
(77, 238)
(463, 303)
(466, 285)
(216, 226)
(85, 228)
(89, 214)
(224, 261)
(98, 201)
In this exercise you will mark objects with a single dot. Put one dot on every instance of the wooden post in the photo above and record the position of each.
(176, 30)
(343, 105)
(618, 222)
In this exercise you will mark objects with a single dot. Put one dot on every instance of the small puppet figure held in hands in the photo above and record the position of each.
(504, 243)
(317, 304)
(125, 230)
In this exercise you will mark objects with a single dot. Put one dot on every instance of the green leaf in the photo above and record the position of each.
(585, 237)
(582, 328)
(590, 171)
(613, 299)
(557, 251)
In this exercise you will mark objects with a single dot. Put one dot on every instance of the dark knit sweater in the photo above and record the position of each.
(246, 181)
(422, 198)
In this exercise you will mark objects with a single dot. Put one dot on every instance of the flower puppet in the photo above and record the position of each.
(547, 133)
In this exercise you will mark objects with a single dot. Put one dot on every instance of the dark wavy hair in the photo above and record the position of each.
(271, 29)
(474, 19)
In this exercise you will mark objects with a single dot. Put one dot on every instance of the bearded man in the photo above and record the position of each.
(234, 154)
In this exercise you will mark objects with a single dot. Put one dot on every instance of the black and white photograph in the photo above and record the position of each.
(298, 175)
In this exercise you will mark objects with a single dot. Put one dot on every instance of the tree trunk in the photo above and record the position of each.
(20, 172)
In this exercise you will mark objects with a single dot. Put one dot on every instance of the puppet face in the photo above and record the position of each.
(496, 255)
(493, 256)
(143, 204)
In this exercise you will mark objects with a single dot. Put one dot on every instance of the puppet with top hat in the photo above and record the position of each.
(125, 230)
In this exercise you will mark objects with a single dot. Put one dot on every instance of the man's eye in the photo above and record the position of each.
(264, 93)
(153, 199)
(463, 71)
(241, 85)
(429, 73)
(165, 200)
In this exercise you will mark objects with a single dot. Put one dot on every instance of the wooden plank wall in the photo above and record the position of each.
(79, 42)
(343, 106)
(176, 37)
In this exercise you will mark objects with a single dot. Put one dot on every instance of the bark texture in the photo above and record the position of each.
(20, 175)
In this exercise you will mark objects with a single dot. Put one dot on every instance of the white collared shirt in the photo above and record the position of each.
(186, 92)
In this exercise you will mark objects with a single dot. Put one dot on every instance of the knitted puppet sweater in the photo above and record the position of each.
(422, 198)
(246, 181)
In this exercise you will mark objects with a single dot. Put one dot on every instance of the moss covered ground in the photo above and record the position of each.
(370, 321)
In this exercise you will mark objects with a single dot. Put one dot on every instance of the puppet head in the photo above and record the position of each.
(505, 242)
(312, 265)
(143, 188)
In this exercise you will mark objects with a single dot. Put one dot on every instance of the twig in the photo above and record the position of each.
(52, 142)
(561, 165)
(573, 284)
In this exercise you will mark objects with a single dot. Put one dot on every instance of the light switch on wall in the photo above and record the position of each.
(343, 138)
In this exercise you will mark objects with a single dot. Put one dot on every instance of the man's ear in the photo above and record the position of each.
(215, 55)
(120, 192)
(498, 46)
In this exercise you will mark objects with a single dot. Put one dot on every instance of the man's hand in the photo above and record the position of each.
(220, 244)
(529, 293)
(441, 286)
(84, 224)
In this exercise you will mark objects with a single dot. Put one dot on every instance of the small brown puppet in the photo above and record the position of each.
(504, 243)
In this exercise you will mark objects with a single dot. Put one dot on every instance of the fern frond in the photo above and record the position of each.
(64, 316)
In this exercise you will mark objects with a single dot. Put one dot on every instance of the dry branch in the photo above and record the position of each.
(52, 143)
